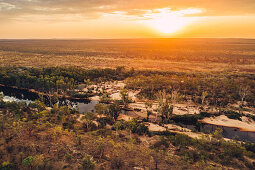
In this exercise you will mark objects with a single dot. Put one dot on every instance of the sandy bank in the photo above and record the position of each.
(175, 129)
(245, 125)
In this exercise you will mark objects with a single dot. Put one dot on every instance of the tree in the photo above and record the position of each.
(88, 119)
(2, 124)
(114, 110)
(203, 96)
(130, 125)
(60, 84)
(28, 161)
(54, 98)
(87, 82)
(175, 96)
(118, 125)
(105, 98)
(101, 109)
(40, 105)
(156, 158)
(124, 97)
(243, 93)
(1, 100)
(55, 108)
(148, 106)
(142, 129)
(164, 106)
(6, 166)
(1, 97)
(30, 126)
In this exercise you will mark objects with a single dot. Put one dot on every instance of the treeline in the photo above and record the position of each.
(216, 89)
(210, 89)
(57, 78)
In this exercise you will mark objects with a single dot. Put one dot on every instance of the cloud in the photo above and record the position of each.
(20, 9)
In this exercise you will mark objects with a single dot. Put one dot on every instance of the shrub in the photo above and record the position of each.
(162, 144)
(205, 114)
(217, 134)
(249, 147)
(190, 156)
(28, 161)
(68, 157)
(105, 120)
(6, 166)
(161, 133)
(232, 150)
(116, 163)
(103, 132)
(186, 119)
(119, 125)
(181, 140)
(233, 115)
(142, 129)
(80, 95)
(251, 116)
(78, 140)
(88, 163)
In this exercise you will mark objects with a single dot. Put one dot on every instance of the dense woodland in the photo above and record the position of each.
(214, 89)
(61, 80)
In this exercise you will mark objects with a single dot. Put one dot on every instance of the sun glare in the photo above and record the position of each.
(167, 21)
(168, 24)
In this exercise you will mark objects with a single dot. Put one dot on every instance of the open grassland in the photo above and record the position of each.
(232, 55)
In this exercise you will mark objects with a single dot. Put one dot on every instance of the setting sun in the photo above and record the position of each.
(167, 21)
(168, 24)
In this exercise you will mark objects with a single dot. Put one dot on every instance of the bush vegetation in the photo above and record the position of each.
(33, 136)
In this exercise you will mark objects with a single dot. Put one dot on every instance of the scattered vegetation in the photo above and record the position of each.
(49, 134)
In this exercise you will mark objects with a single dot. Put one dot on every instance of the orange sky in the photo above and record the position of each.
(127, 18)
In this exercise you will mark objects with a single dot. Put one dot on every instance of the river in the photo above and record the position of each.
(23, 95)
(227, 132)
(19, 95)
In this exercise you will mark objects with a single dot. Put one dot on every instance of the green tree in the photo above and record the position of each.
(124, 97)
(130, 125)
(243, 93)
(28, 161)
(88, 119)
(203, 96)
(101, 109)
(118, 125)
(1, 100)
(40, 105)
(6, 166)
(105, 98)
(148, 106)
(217, 134)
(87, 82)
(114, 110)
(164, 106)
(60, 84)
(55, 98)
(1, 97)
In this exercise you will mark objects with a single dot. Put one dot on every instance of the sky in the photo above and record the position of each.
(127, 18)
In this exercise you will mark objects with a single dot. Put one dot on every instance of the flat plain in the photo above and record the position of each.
(185, 55)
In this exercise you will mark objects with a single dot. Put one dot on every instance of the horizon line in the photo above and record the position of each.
(244, 38)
